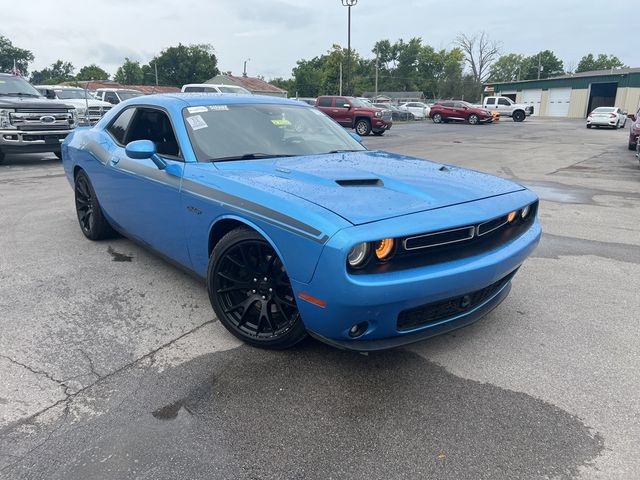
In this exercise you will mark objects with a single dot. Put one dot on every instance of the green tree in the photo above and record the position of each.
(550, 66)
(507, 68)
(92, 72)
(58, 72)
(602, 62)
(129, 73)
(185, 64)
(285, 84)
(10, 53)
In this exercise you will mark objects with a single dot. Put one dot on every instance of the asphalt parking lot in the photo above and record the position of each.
(114, 366)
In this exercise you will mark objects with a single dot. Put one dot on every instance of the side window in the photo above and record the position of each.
(491, 101)
(111, 98)
(341, 102)
(324, 102)
(448, 104)
(503, 101)
(154, 125)
(118, 128)
(194, 89)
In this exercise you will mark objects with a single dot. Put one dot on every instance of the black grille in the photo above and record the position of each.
(439, 238)
(437, 311)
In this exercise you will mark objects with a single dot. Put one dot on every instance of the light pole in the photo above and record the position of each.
(349, 4)
(244, 70)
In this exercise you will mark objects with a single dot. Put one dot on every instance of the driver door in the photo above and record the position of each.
(145, 200)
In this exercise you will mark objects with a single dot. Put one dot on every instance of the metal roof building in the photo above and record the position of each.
(575, 95)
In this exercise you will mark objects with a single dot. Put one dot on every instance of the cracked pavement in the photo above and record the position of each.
(114, 365)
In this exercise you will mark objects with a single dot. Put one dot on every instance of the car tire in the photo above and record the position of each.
(363, 127)
(92, 222)
(378, 133)
(518, 116)
(588, 125)
(473, 119)
(437, 118)
(624, 123)
(632, 146)
(250, 291)
(58, 154)
(2, 157)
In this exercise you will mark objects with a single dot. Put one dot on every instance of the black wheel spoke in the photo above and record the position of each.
(233, 288)
(230, 278)
(244, 305)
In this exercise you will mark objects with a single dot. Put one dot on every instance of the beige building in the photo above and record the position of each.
(574, 96)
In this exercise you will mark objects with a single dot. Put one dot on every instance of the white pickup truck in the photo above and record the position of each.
(507, 107)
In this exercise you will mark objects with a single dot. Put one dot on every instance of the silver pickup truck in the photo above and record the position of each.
(29, 123)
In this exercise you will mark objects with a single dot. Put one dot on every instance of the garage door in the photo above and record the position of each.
(559, 99)
(532, 97)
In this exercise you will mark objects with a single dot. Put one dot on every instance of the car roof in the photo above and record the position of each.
(59, 87)
(118, 90)
(198, 99)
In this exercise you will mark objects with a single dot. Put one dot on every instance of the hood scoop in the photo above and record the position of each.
(360, 182)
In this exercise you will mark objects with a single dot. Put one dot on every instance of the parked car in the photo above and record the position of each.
(634, 131)
(88, 108)
(507, 107)
(607, 117)
(29, 123)
(419, 110)
(301, 231)
(457, 110)
(307, 100)
(396, 113)
(214, 88)
(116, 95)
(353, 113)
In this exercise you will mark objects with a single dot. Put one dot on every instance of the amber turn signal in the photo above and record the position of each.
(384, 248)
(512, 216)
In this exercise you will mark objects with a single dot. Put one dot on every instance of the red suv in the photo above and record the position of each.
(634, 133)
(458, 110)
(354, 113)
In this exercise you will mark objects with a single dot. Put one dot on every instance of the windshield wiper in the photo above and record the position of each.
(343, 151)
(250, 156)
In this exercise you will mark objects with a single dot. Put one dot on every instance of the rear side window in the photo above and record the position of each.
(118, 128)
(324, 102)
(491, 101)
(448, 104)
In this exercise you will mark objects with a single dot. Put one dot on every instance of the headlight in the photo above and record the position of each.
(525, 212)
(359, 255)
(385, 248)
(378, 114)
(5, 121)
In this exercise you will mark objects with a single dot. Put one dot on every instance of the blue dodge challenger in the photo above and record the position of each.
(295, 226)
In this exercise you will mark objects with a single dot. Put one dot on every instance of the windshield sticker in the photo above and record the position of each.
(197, 109)
(218, 108)
(282, 121)
(197, 122)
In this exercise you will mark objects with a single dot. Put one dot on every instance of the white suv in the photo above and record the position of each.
(117, 95)
(420, 110)
(214, 88)
(88, 108)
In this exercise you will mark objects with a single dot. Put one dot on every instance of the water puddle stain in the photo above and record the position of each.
(117, 256)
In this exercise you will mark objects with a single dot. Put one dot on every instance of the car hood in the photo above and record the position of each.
(82, 103)
(368, 186)
(31, 102)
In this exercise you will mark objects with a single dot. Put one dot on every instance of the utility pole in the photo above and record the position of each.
(340, 93)
(539, 66)
(155, 66)
(349, 4)
(244, 70)
(376, 95)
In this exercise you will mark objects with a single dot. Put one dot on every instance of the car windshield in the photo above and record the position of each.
(17, 86)
(229, 89)
(248, 131)
(604, 110)
(72, 93)
(127, 94)
(360, 103)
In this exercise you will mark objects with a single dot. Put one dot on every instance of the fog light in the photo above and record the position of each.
(525, 212)
(512, 216)
(358, 329)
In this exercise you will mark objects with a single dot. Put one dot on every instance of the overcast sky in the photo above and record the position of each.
(274, 34)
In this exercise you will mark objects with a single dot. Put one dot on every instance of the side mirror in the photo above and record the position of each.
(347, 106)
(356, 137)
(632, 117)
(143, 149)
(51, 95)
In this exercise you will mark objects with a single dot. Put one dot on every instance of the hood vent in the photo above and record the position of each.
(361, 182)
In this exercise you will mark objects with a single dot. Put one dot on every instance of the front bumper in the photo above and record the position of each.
(20, 141)
(380, 299)
(380, 125)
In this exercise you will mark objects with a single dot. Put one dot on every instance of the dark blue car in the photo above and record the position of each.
(295, 226)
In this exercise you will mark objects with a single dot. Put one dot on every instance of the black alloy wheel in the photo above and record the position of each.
(90, 217)
(251, 293)
(518, 116)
